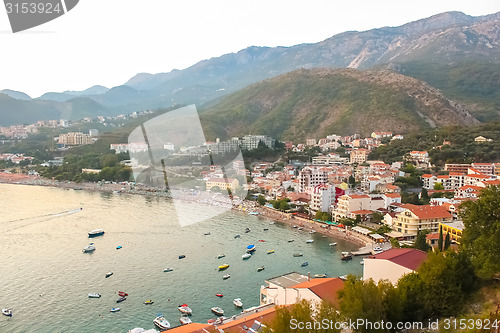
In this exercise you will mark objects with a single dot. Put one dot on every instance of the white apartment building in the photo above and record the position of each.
(322, 198)
(310, 177)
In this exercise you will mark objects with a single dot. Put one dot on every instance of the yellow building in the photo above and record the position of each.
(223, 183)
(455, 230)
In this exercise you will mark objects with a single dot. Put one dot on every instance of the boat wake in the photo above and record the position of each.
(24, 222)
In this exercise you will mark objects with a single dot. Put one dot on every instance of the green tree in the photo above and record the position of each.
(440, 240)
(447, 241)
(424, 195)
(395, 243)
(299, 312)
(377, 217)
(438, 186)
(261, 200)
(420, 241)
(481, 234)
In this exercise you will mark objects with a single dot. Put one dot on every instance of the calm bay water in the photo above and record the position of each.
(45, 277)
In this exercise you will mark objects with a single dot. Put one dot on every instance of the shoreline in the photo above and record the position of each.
(244, 207)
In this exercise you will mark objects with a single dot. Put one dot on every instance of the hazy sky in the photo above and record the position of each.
(108, 41)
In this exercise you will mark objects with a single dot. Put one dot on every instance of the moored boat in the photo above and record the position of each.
(161, 323)
(114, 310)
(247, 230)
(346, 256)
(185, 320)
(118, 247)
(122, 294)
(237, 236)
(218, 311)
(333, 244)
(300, 228)
(121, 299)
(304, 264)
(227, 276)
(219, 295)
(312, 231)
(207, 233)
(89, 248)
(223, 267)
(168, 269)
(182, 256)
(270, 251)
(290, 240)
(7, 312)
(96, 232)
(297, 254)
(237, 302)
(149, 302)
(310, 241)
(94, 295)
(261, 268)
(320, 275)
(246, 256)
(108, 274)
(220, 256)
(185, 309)
(251, 248)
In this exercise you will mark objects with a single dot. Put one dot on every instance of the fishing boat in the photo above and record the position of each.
(118, 247)
(168, 269)
(185, 320)
(114, 310)
(304, 264)
(291, 240)
(121, 299)
(346, 256)
(237, 236)
(237, 302)
(219, 295)
(89, 248)
(227, 276)
(94, 295)
(333, 244)
(251, 248)
(122, 294)
(298, 254)
(223, 267)
(218, 311)
(185, 309)
(310, 241)
(96, 232)
(246, 256)
(261, 268)
(7, 312)
(182, 256)
(161, 323)
(108, 274)
(270, 251)
(220, 256)
(149, 302)
(320, 275)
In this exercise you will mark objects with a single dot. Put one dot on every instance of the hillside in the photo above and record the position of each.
(313, 103)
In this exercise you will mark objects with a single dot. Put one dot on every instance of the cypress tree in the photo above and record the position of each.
(440, 240)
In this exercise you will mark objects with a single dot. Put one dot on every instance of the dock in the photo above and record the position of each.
(363, 251)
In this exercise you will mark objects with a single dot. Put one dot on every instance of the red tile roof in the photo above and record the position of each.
(237, 325)
(428, 212)
(409, 258)
(393, 195)
(357, 196)
(193, 327)
(326, 289)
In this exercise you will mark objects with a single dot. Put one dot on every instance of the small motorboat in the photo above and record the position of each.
(237, 236)
(266, 229)
(168, 269)
(114, 310)
(247, 230)
(220, 256)
(207, 233)
(227, 276)
(291, 240)
(89, 248)
(237, 302)
(270, 251)
(312, 231)
(149, 302)
(185, 309)
(298, 254)
(223, 267)
(182, 256)
(271, 223)
(219, 295)
(346, 256)
(122, 294)
(304, 264)
(295, 226)
(118, 247)
(251, 248)
(121, 299)
(185, 320)
(218, 311)
(246, 256)
(320, 275)
(108, 274)
(261, 240)
(161, 323)
(362, 262)
(343, 277)
(94, 295)
(333, 244)
(260, 269)
(300, 228)
(7, 312)
(310, 241)
(96, 232)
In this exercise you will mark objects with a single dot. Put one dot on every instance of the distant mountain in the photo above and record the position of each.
(316, 102)
(94, 90)
(16, 94)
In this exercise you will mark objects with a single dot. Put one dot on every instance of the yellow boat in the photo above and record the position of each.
(223, 267)
(270, 251)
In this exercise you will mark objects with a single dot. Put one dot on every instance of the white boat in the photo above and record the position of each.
(185, 320)
(362, 262)
(246, 255)
(114, 310)
(297, 254)
(108, 274)
(218, 311)
(227, 276)
(89, 248)
(169, 269)
(346, 256)
(333, 244)
(94, 295)
(312, 231)
(7, 312)
(310, 241)
(300, 228)
(161, 323)
(320, 276)
(185, 309)
(237, 302)
(271, 223)
(260, 269)
(96, 232)
(220, 256)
